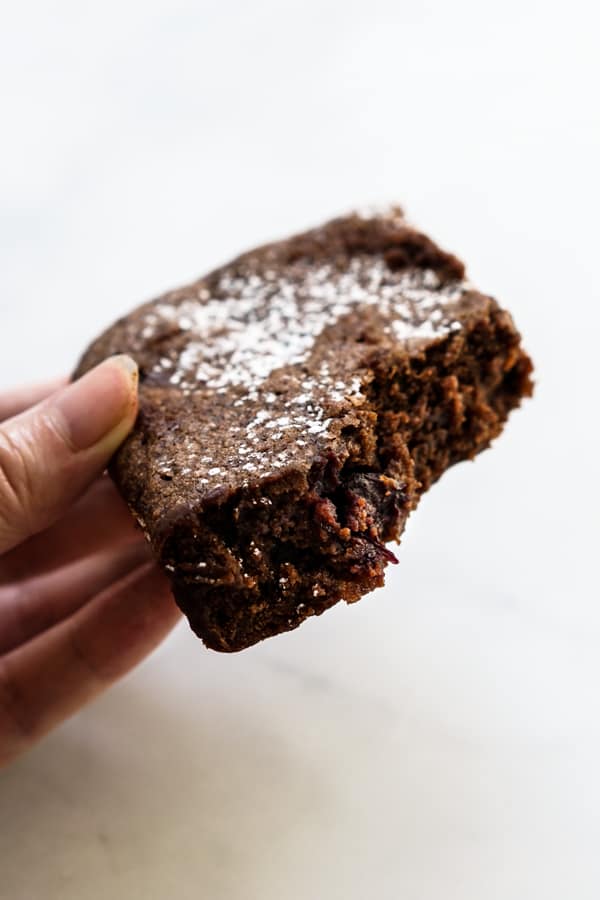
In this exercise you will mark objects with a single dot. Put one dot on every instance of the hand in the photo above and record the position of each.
(81, 602)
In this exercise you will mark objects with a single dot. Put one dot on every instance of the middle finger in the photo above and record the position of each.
(100, 519)
(30, 607)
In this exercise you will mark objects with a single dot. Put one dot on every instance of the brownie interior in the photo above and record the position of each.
(267, 557)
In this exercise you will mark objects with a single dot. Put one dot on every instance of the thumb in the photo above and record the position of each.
(51, 453)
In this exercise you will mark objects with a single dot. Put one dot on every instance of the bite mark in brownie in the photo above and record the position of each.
(294, 405)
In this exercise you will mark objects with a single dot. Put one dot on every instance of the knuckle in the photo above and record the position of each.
(34, 466)
(84, 658)
(16, 486)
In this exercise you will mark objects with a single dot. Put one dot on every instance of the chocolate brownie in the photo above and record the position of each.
(294, 406)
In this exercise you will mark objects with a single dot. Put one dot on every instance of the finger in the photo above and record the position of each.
(17, 400)
(98, 520)
(50, 454)
(54, 674)
(31, 607)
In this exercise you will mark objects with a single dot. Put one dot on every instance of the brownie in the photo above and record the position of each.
(294, 406)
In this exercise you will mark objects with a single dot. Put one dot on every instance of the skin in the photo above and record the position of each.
(81, 602)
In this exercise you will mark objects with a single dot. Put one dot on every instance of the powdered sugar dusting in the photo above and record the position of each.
(253, 324)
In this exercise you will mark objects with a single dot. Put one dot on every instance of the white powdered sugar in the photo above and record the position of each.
(250, 326)
(253, 324)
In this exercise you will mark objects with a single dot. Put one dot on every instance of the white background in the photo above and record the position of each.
(441, 738)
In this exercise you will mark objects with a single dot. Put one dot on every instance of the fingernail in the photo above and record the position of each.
(100, 404)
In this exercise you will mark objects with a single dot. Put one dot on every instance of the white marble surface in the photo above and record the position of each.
(441, 738)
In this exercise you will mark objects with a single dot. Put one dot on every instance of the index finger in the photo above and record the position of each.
(17, 400)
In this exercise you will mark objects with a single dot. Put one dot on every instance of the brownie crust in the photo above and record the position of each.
(294, 406)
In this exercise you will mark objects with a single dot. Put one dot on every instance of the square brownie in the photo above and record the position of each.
(294, 406)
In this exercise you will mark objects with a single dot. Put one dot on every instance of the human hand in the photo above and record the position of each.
(81, 601)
